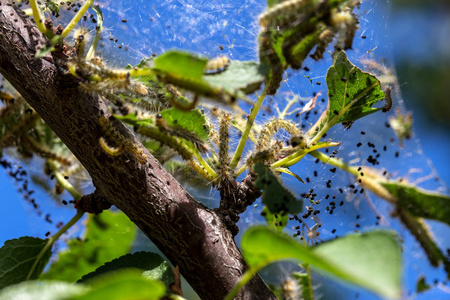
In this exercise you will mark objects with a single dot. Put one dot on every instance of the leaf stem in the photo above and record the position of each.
(64, 182)
(335, 162)
(98, 32)
(37, 17)
(251, 119)
(295, 157)
(53, 239)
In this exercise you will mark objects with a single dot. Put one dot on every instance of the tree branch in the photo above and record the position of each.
(188, 233)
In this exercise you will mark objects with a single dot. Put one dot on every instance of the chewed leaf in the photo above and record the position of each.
(153, 264)
(192, 120)
(245, 76)
(18, 256)
(181, 64)
(351, 92)
(275, 196)
(421, 203)
(371, 260)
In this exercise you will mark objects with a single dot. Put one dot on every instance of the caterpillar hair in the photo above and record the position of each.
(216, 65)
(388, 100)
(270, 129)
(180, 132)
(223, 145)
(110, 150)
(119, 139)
(154, 133)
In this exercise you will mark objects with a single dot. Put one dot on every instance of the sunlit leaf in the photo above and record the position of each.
(421, 203)
(371, 260)
(38, 290)
(121, 285)
(245, 76)
(193, 121)
(351, 92)
(275, 196)
(153, 264)
(181, 64)
(108, 236)
(18, 256)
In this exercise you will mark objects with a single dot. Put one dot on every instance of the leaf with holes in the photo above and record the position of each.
(351, 92)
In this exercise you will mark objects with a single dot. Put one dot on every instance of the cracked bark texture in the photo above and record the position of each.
(188, 233)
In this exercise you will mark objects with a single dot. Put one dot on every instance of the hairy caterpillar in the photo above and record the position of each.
(223, 146)
(81, 35)
(268, 54)
(110, 150)
(291, 289)
(119, 139)
(200, 170)
(283, 13)
(325, 38)
(216, 65)
(180, 132)
(347, 23)
(388, 100)
(97, 77)
(170, 141)
(270, 129)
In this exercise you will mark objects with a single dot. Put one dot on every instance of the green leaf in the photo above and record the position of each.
(276, 221)
(38, 290)
(275, 196)
(18, 256)
(181, 63)
(193, 121)
(371, 260)
(108, 236)
(351, 92)
(245, 76)
(121, 285)
(153, 264)
(131, 119)
(421, 203)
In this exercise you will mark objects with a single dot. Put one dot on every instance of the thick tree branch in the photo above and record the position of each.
(188, 233)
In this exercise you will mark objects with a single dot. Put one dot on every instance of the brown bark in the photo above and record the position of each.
(188, 233)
